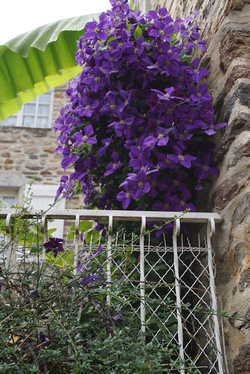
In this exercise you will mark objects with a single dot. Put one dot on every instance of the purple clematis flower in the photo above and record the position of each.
(196, 43)
(162, 137)
(183, 201)
(204, 167)
(160, 30)
(198, 73)
(113, 166)
(124, 124)
(184, 78)
(169, 63)
(199, 95)
(106, 200)
(96, 79)
(106, 143)
(165, 204)
(168, 95)
(139, 159)
(119, 5)
(96, 30)
(210, 126)
(139, 183)
(159, 136)
(153, 179)
(164, 162)
(192, 121)
(86, 138)
(86, 106)
(111, 103)
(68, 158)
(185, 160)
(55, 245)
(182, 136)
(125, 197)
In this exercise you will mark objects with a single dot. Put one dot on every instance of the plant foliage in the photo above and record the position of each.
(57, 320)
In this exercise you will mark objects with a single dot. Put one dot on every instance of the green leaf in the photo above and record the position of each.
(92, 236)
(63, 259)
(138, 32)
(50, 231)
(71, 235)
(83, 227)
(128, 24)
(37, 61)
(173, 38)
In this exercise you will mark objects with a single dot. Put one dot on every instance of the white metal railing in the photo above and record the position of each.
(193, 280)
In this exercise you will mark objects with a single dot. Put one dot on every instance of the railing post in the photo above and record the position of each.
(176, 232)
(210, 232)
(10, 230)
(142, 279)
(10, 247)
(76, 242)
(109, 254)
(44, 229)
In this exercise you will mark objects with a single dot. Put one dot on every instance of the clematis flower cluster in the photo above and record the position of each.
(138, 125)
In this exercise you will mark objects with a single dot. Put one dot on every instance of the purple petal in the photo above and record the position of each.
(102, 35)
(163, 141)
(88, 130)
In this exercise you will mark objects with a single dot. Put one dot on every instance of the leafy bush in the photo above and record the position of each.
(56, 320)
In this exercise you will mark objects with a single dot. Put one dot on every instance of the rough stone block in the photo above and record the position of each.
(239, 95)
(50, 149)
(241, 363)
(6, 154)
(235, 5)
(242, 210)
(11, 179)
(238, 123)
(229, 189)
(8, 161)
(31, 149)
(244, 281)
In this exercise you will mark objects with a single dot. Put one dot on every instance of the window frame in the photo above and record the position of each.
(22, 112)
(8, 192)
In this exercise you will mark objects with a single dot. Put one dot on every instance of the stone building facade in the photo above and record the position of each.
(225, 25)
(27, 155)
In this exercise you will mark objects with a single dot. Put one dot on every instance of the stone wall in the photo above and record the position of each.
(225, 25)
(28, 153)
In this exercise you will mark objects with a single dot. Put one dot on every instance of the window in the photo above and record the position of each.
(37, 113)
(8, 197)
(42, 196)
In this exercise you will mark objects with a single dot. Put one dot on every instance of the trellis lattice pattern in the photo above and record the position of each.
(172, 281)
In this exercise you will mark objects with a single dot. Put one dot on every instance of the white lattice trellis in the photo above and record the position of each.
(173, 281)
